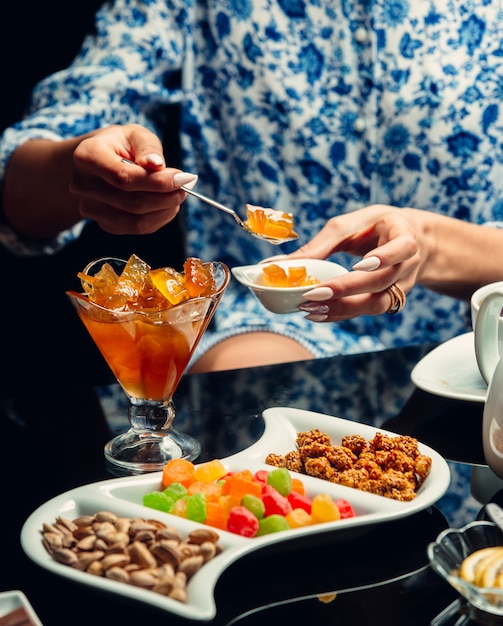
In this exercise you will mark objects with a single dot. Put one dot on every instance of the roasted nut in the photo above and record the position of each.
(166, 553)
(144, 553)
(200, 535)
(191, 564)
(64, 555)
(86, 543)
(84, 559)
(84, 520)
(115, 560)
(142, 578)
(208, 550)
(170, 533)
(117, 573)
(140, 554)
(106, 516)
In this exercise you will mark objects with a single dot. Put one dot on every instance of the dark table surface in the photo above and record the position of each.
(54, 442)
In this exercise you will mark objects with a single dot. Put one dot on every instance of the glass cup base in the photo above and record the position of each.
(134, 452)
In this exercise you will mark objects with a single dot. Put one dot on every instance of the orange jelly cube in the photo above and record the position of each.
(199, 277)
(239, 485)
(275, 276)
(217, 515)
(171, 284)
(270, 222)
(139, 287)
(212, 491)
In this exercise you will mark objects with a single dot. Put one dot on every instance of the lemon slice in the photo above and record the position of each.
(472, 561)
(492, 567)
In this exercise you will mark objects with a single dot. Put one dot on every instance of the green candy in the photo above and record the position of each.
(196, 507)
(159, 501)
(254, 505)
(176, 491)
(273, 524)
(280, 479)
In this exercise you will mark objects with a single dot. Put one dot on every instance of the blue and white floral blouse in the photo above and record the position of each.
(314, 107)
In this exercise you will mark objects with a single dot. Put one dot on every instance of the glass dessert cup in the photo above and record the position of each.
(148, 352)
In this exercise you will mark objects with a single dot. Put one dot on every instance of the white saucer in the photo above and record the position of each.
(451, 370)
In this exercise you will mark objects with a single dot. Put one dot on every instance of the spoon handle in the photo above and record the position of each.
(214, 203)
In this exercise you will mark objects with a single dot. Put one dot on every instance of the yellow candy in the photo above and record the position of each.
(210, 471)
(298, 518)
(324, 509)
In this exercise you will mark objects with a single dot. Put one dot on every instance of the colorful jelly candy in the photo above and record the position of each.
(242, 502)
(242, 522)
(273, 524)
(281, 479)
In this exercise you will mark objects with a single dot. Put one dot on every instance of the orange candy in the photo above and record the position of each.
(178, 471)
(211, 490)
(140, 287)
(298, 486)
(241, 484)
(275, 276)
(269, 222)
(217, 515)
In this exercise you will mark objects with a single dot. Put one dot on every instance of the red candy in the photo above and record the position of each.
(346, 510)
(261, 476)
(274, 502)
(242, 522)
(299, 501)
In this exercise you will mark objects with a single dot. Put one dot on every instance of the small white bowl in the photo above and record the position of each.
(285, 299)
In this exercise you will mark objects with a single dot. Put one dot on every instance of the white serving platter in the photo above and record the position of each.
(123, 496)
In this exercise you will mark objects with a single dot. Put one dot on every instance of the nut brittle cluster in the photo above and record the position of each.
(392, 467)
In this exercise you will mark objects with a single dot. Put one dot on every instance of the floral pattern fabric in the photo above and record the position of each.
(314, 107)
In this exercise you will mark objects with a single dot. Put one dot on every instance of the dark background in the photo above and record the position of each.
(45, 343)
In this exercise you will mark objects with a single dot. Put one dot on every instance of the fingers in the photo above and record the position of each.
(348, 307)
(116, 221)
(123, 183)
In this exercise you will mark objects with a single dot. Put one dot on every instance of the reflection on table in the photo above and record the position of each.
(53, 446)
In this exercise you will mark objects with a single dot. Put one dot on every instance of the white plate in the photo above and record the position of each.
(123, 496)
(451, 370)
(12, 600)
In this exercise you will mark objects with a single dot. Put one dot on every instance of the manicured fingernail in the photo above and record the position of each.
(318, 294)
(191, 184)
(369, 264)
(184, 178)
(316, 318)
(277, 257)
(155, 159)
(313, 307)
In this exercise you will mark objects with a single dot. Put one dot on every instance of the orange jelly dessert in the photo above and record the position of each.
(133, 319)
(275, 276)
(269, 222)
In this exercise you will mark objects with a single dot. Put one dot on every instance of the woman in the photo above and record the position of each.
(313, 108)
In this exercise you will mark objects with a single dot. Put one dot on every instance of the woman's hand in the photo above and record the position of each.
(394, 248)
(115, 176)
(123, 183)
